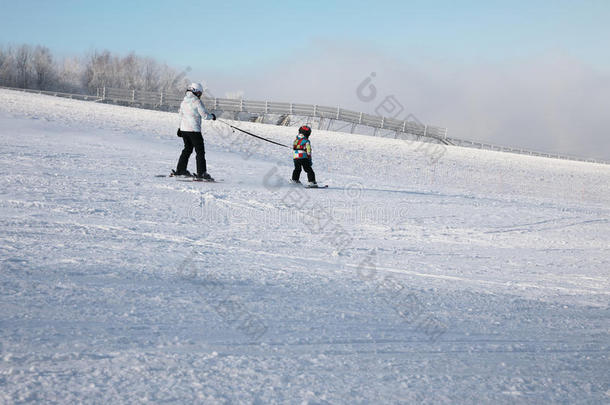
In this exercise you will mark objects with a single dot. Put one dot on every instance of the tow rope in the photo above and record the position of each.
(256, 136)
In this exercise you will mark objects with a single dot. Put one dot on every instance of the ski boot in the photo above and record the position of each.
(184, 173)
(203, 177)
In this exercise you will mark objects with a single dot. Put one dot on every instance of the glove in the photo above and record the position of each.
(213, 117)
(310, 162)
(179, 133)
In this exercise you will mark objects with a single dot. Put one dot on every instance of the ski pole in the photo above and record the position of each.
(251, 134)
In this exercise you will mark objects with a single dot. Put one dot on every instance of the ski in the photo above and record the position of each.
(180, 176)
(189, 178)
(196, 180)
(294, 183)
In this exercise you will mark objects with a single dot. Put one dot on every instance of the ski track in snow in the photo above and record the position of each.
(482, 278)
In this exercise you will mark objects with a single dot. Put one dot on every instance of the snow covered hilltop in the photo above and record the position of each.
(477, 277)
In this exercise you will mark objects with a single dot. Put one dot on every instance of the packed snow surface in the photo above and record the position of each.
(421, 275)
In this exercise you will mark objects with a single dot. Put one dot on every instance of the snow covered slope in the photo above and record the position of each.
(428, 276)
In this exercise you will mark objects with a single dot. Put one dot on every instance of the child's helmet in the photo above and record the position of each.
(305, 130)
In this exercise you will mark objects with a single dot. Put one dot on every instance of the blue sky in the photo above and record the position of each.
(476, 67)
(232, 34)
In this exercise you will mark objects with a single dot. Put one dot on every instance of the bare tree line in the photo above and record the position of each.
(35, 67)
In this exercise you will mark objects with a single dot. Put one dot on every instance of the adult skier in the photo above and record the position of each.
(191, 112)
(302, 157)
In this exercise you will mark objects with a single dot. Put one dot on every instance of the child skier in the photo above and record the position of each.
(302, 157)
(191, 112)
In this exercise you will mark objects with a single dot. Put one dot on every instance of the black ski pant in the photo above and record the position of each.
(304, 164)
(192, 140)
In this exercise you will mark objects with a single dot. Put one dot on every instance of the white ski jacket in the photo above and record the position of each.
(191, 112)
